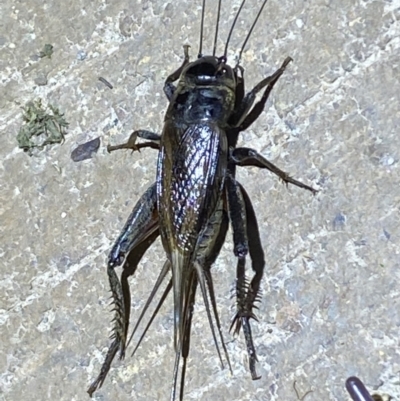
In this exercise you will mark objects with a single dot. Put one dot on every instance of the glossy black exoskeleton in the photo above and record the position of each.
(195, 197)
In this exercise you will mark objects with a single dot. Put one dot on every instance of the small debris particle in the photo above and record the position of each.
(125, 26)
(297, 393)
(110, 125)
(361, 242)
(85, 150)
(41, 79)
(81, 55)
(339, 221)
(387, 160)
(47, 51)
(105, 82)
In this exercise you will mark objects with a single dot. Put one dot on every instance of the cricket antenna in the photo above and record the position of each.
(201, 30)
(231, 30)
(216, 27)
(250, 32)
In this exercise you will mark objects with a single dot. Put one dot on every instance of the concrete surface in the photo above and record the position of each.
(330, 305)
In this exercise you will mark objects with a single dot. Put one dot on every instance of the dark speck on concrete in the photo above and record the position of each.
(105, 82)
(339, 221)
(110, 125)
(361, 242)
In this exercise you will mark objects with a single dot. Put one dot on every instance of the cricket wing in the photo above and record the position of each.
(190, 177)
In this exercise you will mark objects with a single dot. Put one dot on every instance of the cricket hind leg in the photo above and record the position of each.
(121, 299)
(237, 217)
(139, 232)
(129, 268)
(253, 291)
(250, 157)
(246, 240)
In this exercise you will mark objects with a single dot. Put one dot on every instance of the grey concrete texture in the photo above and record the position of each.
(330, 295)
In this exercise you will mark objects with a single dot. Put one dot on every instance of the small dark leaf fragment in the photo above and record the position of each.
(85, 150)
(47, 51)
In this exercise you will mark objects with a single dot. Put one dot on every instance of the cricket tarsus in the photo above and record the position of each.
(105, 368)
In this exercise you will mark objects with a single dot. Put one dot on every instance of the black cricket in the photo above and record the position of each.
(192, 202)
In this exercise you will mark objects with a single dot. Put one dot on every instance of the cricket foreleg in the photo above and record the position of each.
(131, 144)
(268, 83)
(169, 87)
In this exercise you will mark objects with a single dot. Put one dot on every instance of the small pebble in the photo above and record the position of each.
(41, 79)
(81, 55)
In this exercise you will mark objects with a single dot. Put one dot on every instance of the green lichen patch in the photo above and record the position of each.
(42, 126)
